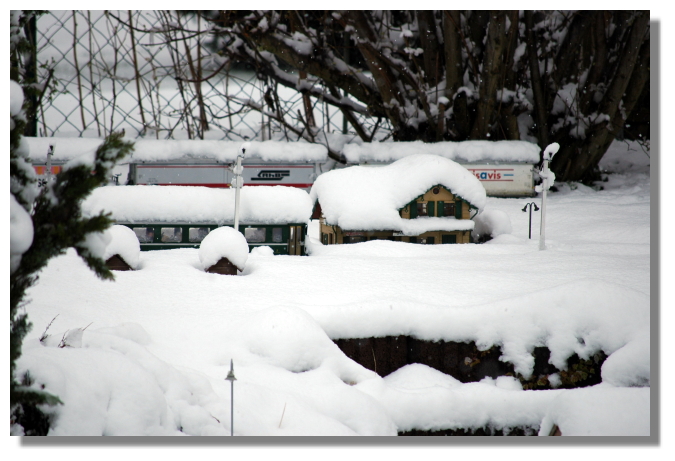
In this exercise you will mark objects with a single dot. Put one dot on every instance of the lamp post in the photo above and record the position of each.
(50, 153)
(536, 208)
(230, 377)
(547, 175)
(238, 182)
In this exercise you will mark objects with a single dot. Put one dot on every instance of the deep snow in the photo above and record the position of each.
(160, 340)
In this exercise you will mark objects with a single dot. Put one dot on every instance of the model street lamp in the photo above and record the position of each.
(230, 377)
(536, 208)
(548, 176)
(238, 181)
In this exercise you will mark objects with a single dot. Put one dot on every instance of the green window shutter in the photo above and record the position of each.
(440, 208)
(430, 208)
(458, 209)
(413, 209)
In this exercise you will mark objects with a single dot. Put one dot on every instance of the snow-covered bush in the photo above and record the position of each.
(124, 243)
(223, 242)
(489, 224)
(20, 232)
(45, 222)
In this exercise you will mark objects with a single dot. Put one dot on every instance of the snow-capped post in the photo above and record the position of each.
(50, 153)
(536, 208)
(548, 176)
(230, 377)
(238, 182)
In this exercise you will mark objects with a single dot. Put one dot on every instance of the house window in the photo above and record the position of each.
(422, 209)
(145, 234)
(277, 234)
(358, 238)
(172, 234)
(197, 234)
(449, 239)
(449, 209)
(255, 234)
(324, 239)
(412, 239)
(430, 240)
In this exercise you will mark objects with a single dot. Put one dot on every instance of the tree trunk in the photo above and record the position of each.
(453, 53)
(537, 84)
(577, 162)
(492, 64)
(426, 23)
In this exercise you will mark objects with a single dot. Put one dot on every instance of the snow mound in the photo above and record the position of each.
(223, 242)
(123, 242)
(263, 251)
(600, 410)
(491, 223)
(288, 337)
(128, 330)
(112, 385)
(629, 366)
(416, 376)
(419, 397)
(368, 198)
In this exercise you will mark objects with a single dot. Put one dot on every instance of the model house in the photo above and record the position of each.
(421, 198)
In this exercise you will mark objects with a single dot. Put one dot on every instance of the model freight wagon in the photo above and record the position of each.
(505, 168)
(180, 217)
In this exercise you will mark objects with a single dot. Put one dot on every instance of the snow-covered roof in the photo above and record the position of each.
(259, 204)
(464, 151)
(123, 242)
(224, 242)
(369, 197)
(151, 150)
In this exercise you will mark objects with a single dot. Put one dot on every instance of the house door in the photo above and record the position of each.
(295, 240)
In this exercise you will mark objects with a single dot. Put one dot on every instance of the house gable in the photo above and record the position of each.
(438, 201)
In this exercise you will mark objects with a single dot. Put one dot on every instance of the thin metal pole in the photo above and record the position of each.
(50, 152)
(530, 229)
(230, 377)
(238, 182)
(542, 227)
(549, 152)
(232, 408)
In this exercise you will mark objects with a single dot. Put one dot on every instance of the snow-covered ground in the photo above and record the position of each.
(158, 343)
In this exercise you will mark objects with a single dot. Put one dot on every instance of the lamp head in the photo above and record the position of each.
(243, 148)
(551, 150)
